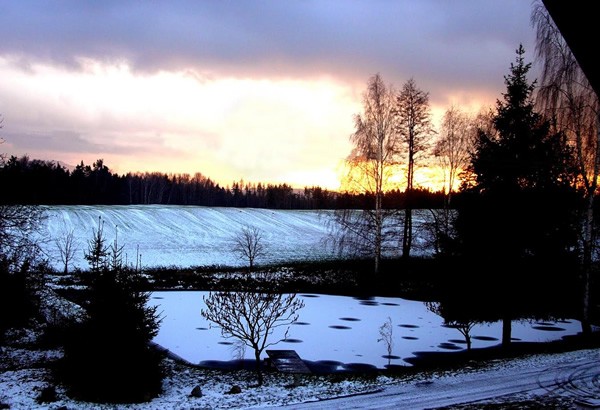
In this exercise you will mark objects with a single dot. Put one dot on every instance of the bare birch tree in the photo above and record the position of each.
(451, 150)
(566, 96)
(370, 166)
(453, 146)
(415, 130)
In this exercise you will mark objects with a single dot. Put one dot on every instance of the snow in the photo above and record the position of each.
(326, 319)
(198, 236)
(188, 236)
(573, 375)
(191, 236)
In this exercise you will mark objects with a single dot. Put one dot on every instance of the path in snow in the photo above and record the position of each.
(576, 376)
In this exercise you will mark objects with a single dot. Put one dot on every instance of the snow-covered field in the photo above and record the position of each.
(187, 236)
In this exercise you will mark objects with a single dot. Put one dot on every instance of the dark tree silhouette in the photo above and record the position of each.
(251, 316)
(108, 356)
(415, 130)
(21, 267)
(520, 202)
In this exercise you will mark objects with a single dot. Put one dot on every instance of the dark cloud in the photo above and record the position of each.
(76, 143)
(456, 40)
(59, 141)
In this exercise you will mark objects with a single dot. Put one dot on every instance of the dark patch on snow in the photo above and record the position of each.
(449, 346)
(548, 328)
(485, 338)
(359, 367)
(459, 341)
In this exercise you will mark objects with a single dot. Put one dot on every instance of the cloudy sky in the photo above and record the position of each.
(260, 90)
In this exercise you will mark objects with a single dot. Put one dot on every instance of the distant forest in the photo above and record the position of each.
(40, 182)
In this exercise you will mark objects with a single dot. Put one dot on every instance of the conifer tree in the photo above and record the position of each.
(108, 357)
(520, 204)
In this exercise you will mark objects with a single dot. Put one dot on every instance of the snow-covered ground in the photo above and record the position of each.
(543, 378)
(198, 236)
(187, 236)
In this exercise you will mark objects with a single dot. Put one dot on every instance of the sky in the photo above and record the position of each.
(260, 91)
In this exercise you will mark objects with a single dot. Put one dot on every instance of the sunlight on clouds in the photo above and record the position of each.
(226, 128)
(293, 131)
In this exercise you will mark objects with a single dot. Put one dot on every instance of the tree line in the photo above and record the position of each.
(40, 182)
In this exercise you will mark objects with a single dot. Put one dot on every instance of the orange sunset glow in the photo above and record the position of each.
(244, 100)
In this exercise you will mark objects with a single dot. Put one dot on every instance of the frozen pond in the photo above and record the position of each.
(339, 331)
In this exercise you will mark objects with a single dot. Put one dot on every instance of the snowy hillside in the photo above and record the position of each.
(186, 236)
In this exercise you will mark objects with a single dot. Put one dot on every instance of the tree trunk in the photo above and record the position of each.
(506, 331)
(407, 234)
(259, 375)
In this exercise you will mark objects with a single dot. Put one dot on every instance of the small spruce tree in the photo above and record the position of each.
(108, 357)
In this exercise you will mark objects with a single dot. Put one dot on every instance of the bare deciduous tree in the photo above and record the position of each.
(19, 225)
(452, 150)
(567, 97)
(248, 244)
(453, 146)
(67, 247)
(370, 165)
(415, 130)
(251, 317)
(386, 331)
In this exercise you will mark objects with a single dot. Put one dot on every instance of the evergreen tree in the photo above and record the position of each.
(521, 202)
(108, 357)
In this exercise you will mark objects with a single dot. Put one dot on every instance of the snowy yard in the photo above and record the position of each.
(549, 379)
